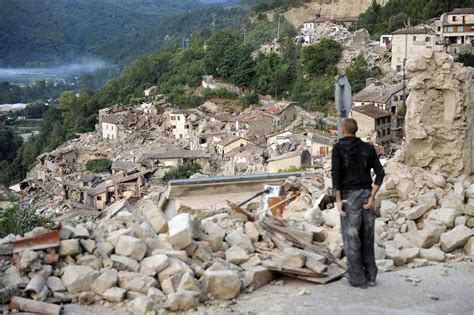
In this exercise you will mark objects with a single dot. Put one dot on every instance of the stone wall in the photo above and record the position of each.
(438, 120)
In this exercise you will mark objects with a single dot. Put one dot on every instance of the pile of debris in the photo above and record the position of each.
(145, 262)
(427, 199)
(325, 30)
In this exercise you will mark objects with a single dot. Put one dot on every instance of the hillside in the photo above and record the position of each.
(301, 11)
(60, 31)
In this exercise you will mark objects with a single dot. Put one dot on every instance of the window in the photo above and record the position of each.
(427, 39)
(173, 118)
(453, 18)
(439, 28)
(179, 118)
(107, 127)
(98, 198)
(383, 132)
(460, 28)
(395, 98)
(450, 29)
(388, 131)
(414, 38)
(399, 68)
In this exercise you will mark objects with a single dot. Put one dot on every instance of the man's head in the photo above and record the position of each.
(349, 127)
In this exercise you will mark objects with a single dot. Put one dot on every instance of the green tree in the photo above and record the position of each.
(182, 171)
(357, 73)
(271, 75)
(99, 165)
(466, 59)
(321, 58)
(250, 98)
(9, 143)
(35, 110)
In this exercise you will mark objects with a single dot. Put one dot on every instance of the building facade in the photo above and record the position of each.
(179, 126)
(455, 30)
(409, 43)
(387, 97)
(374, 124)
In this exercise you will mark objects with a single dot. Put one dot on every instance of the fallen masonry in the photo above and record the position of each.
(122, 260)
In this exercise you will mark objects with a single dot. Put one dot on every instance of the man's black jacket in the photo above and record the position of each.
(352, 160)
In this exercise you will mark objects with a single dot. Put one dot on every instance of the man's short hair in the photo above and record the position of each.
(350, 126)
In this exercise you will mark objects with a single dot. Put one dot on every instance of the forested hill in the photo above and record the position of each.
(51, 31)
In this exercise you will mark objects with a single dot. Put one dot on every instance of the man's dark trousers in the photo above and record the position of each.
(358, 236)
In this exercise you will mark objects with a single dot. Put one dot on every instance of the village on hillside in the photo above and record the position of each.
(179, 206)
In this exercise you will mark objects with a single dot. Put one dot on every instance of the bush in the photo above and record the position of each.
(219, 93)
(249, 98)
(292, 169)
(99, 165)
(181, 171)
(466, 59)
(19, 221)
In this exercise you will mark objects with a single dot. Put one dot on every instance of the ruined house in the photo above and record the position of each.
(294, 159)
(388, 97)
(180, 128)
(230, 143)
(252, 124)
(124, 167)
(284, 113)
(116, 188)
(320, 143)
(59, 161)
(173, 157)
(374, 124)
(410, 42)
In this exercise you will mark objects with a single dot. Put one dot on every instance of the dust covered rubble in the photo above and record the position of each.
(426, 202)
(147, 263)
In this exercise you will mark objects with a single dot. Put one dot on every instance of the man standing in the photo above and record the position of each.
(352, 161)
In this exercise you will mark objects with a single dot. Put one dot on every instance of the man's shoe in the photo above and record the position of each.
(372, 283)
(347, 280)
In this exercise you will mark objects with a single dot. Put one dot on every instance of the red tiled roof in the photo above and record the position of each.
(278, 108)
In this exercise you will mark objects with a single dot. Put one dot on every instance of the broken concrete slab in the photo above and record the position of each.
(181, 230)
(432, 254)
(131, 247)
(115, 295)
(182, 301)
(258, 276)
(221, 284)
(69, 247)
(141, 305)
(134, 281)
(123, 263)
(415, 212)
(238, 238)
(106, 280)
(236, 255)
(455, 238)
(78, 278)
(154, 264)
(155, 216)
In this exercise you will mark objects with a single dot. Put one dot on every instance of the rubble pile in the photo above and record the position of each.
(427, 201)
(144, 262)
(325, 30)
